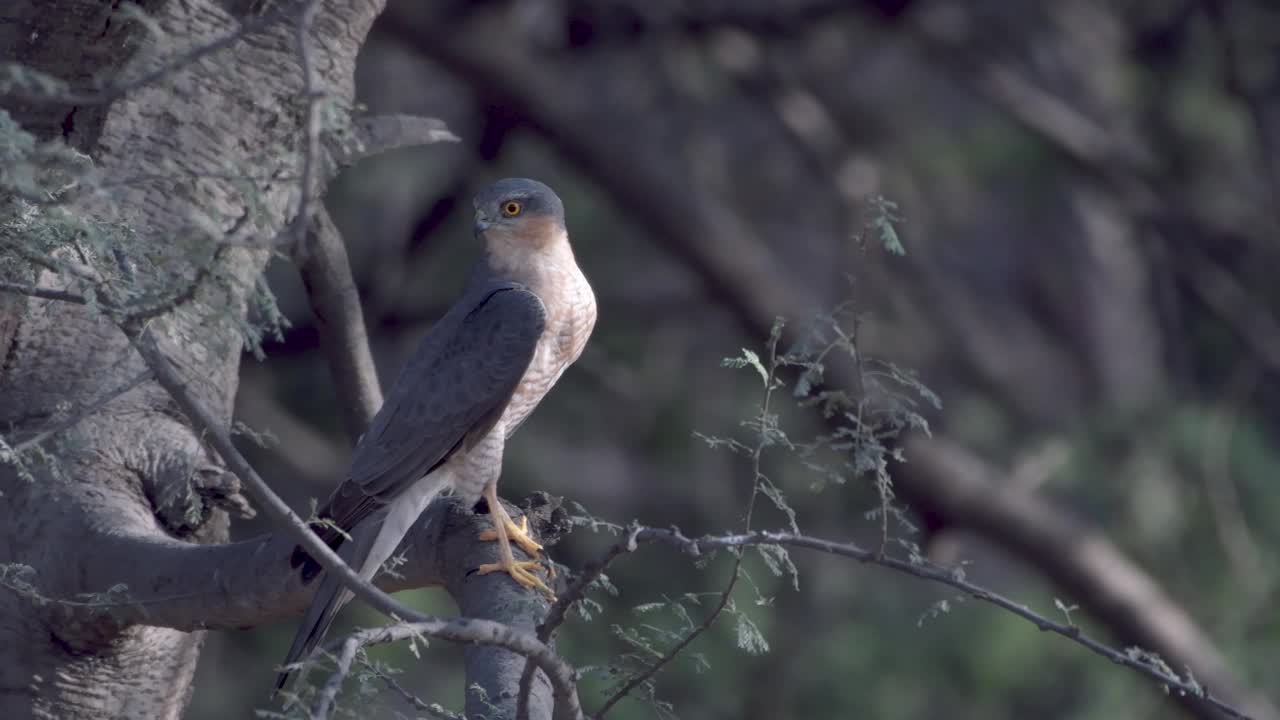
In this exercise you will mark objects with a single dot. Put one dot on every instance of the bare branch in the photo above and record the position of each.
(495, 634)
(560, 610)
(326, 274)
(589, 575)
(377, 134)
(1131, 658)
(763, 440)
(347, 649)
(435, 711)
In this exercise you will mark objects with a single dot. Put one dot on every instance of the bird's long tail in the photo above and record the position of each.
(330, 597)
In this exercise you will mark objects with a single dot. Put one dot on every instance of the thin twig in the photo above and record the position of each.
(949, 577)
(762, 441)
(433, 710)
(335, 301)
(560, 610)
(323, 705)
(348, 646)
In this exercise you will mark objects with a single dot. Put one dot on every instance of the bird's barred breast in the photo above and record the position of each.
(571, 315)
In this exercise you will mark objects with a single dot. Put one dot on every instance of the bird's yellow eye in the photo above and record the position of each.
(512, 208)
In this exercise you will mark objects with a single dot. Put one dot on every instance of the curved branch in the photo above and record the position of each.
(326, 274)
(1131, 657)
(377, 134)
(169, 583)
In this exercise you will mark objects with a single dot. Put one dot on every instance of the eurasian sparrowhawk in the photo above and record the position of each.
(523, 318)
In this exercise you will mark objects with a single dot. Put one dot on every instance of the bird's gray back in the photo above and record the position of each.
(451, 391)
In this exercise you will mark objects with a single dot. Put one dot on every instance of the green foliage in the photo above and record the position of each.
(778, 560)
(867, 420)
(865, 423)
(748, 359)
(750, 639)
(882, 217)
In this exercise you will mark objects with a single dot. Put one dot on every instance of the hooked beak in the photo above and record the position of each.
(480, 224)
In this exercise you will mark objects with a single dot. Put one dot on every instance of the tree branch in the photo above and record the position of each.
(347, 649)
(1131, 657)
(326, 274)
(377, 134)
(560, 610)
(763, 440)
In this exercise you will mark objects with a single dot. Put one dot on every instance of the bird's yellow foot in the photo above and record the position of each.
(518, 534)
(522, 572)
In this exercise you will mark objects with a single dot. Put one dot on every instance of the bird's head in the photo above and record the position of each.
(518, 216)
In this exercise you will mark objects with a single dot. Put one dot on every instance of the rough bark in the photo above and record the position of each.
(102, 514)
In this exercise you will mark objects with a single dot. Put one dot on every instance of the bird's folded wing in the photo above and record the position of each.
(455, 386)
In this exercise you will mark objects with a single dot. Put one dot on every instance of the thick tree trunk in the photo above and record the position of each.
(135, 473)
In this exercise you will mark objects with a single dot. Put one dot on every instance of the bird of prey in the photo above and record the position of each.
(523, 318)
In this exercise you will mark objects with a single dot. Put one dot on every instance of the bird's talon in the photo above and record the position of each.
(517, 534)
(522, 572)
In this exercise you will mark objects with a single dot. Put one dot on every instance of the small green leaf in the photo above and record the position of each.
(778, 561)
(889, 237)
(748, 359)
(750, 638)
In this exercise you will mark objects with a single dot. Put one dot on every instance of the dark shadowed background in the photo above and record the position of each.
(1089, 195)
